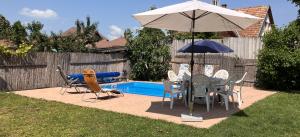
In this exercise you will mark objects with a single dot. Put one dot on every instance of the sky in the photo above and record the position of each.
(114, 16)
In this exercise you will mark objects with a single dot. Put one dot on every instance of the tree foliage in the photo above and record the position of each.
(148, 53)
(87, 32)
(5, 29)
(32, 34)
(279, 61)
(19, 34)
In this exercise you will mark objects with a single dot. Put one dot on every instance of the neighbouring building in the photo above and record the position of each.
(258, 29)
(104, 45)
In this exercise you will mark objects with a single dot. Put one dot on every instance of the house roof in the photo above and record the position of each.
(119, 42)
(73, 30)
(258, 11)
(69, 32)
(5, 42)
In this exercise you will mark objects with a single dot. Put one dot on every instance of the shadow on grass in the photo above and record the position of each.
(241, 114)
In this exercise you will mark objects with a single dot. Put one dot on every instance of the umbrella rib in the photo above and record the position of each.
(186, 15)
(155, 19)
(202, 15)
(230, 21)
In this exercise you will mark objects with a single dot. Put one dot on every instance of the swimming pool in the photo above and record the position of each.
(140, 88)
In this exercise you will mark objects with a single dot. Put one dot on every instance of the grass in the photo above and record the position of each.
(278, 115)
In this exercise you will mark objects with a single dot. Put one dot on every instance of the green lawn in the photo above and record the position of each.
(278, 115)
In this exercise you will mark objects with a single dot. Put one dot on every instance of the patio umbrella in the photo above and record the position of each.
(195, 16)
(205, 46)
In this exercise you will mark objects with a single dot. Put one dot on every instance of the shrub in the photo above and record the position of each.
(279, 61)
(149, 54)
(22, 50)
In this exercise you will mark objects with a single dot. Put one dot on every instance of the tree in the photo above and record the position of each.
(19, 33)
(59, 43)
(5, 29)
(279, 60)
(38, 39)
(87, 32)
(148, 53)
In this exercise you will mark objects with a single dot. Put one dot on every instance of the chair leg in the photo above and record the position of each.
(184, 99)
(64, 89)
(240, 92)
(239, 99)
(172, 101)
(77, 90)
(213, 101)
(163, 100)
(97, 96)
(232, 100)
(207, 102)
(226, 99)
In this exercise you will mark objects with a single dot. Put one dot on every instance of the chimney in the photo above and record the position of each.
(215, 2)
(224, 5)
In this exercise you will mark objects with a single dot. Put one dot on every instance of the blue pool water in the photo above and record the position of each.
(140, 88)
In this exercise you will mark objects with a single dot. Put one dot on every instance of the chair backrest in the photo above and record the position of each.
(221, 74)
(167, 86)
(242, 79)
(91, 80)
(62, 74)
(209, 70)
(184, 68)
(186, 77)
(172, 76)
(229, 85)
(200, 85)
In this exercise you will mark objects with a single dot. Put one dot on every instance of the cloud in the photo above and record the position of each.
(48, 13)
(115, 32)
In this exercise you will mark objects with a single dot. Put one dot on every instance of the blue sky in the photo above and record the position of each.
(113, 16)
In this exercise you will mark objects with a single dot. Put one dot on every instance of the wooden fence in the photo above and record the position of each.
(38, 70)
(244, 48)
(242, 60)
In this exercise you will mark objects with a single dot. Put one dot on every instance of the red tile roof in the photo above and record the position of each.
(5, 42)
(258, 11)
(73, 30)
(119, 42)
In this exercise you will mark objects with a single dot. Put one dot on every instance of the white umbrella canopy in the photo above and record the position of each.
(207, 17)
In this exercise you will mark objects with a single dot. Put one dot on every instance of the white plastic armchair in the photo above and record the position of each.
(209, 70)
(240, 83)
(221, 74)
(184, 68)
(172, 76)
(227, 92)
(201, 86)
(169, 89)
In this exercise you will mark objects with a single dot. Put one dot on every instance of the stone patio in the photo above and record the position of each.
(148, 106)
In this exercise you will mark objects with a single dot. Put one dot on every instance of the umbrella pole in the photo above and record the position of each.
(190, 95)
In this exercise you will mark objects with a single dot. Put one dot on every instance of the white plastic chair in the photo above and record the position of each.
(172, 76)
(184, 68)
(229, 86)
(221, 74)
(240, 83)
(201, 89)
(169, 89)
(209, 70)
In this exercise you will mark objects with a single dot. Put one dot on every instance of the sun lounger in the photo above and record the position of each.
(91, 81)
(68, 82)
